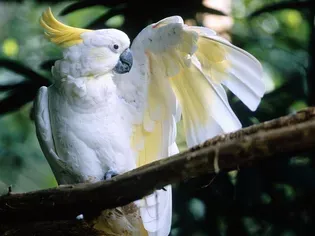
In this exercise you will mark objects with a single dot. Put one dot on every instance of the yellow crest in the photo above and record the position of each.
(58, 32)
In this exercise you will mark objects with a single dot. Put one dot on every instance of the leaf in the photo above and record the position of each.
(99, 22)
(20, 93)
(282, 6)
(84, 4)
(38, 1)
(46, 65)
(24, 71)
(7, 87)
(186, 13)
(213, 11)
(18, 97)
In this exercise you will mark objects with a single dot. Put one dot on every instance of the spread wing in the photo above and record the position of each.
(45, 138)
(182, 70)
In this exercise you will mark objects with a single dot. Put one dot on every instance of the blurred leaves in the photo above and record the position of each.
(17, 97)
(296, 5)
(10, 47)
(29, 74)
(138, 13)
(46, 65)
(84, 4)
(20, 93)
(117, 11)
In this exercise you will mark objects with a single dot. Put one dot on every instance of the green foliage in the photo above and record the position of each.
(278, 33)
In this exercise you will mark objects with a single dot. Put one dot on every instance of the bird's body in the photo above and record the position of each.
(86, 128)
(97, 120)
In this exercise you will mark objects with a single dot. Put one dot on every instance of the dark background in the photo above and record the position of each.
(264, 199)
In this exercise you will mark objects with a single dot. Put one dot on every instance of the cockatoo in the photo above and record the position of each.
(113, 107)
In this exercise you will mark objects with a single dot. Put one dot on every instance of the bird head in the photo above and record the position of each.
(88, 52)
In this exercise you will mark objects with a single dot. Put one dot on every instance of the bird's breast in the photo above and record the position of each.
(98, 131)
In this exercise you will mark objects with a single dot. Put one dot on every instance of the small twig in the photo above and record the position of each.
(211, 181)
(9, 190)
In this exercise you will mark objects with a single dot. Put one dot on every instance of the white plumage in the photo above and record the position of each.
(96, 118)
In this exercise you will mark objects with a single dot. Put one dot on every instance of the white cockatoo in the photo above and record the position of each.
(113, 107)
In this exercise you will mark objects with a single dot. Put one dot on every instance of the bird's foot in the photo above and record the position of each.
(80, 217)
(110, 174)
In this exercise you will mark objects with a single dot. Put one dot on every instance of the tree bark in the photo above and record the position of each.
(286, 135)
(52, 228)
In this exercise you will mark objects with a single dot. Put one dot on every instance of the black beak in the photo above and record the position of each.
(125, 62)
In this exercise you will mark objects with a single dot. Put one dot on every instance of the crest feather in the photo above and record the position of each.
(58, 32)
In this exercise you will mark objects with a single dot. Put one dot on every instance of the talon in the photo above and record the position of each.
(110, 174)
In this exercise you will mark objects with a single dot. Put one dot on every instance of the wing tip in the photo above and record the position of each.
(168, 20)
(255, 105)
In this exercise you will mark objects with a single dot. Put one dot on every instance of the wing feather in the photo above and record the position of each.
(45, 138)
(184, 69)
(234, 68)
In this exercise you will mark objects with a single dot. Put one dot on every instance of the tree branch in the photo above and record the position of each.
(52, 228)
(280, 213)
(286, 135)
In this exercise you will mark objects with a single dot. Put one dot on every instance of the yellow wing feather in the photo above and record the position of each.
(194, 68)
(148, 138)
(58, 32)
(213, 59)
(151, 143)
(191, 64)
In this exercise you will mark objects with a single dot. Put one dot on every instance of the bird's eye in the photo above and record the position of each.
(116, 46)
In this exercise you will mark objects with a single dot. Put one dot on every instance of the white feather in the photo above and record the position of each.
(219, 107)
(163, 52)
(244, 75)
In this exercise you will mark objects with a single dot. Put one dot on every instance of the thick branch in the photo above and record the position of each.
(286, 135)
(281, 213)
(52, 228)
